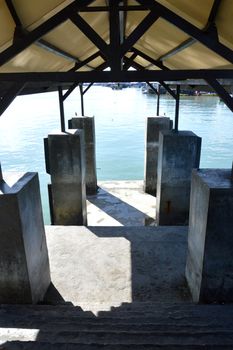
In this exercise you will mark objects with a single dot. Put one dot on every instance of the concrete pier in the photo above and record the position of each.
(65, 163)
(24, 264)
(179, 153)
(209, 268)
(87, 124)
(153, 126)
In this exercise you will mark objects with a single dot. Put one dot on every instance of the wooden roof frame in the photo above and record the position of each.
(114, 53)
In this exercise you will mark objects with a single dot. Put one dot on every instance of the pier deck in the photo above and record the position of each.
(121, 203)
(106, 266)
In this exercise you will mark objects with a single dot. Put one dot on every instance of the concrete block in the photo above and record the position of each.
(24, 264)
(179, 153)
(87, 124)
(65, 161)
(153, 126)
(209, 267)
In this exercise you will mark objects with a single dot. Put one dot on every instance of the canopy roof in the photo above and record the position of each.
(73, 41)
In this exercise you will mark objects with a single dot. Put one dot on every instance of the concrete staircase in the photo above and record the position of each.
(131, 326)
(138, 270)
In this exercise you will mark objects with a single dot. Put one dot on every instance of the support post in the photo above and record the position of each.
(64, 154)
(24, 262)
(61, 106)
(179, 153)
(82, 98)
(87, 124)
(177, 111)
(153, 127)
(210, 241)
(158, 99)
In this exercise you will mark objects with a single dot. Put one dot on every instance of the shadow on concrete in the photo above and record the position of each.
(124, 213)
(53, 297)
(157, 261)
(129, 326)
(157, 275)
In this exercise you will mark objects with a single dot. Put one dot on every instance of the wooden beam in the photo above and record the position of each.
(168, 89)
(10, 95)
(69, 91)
(115, 36)
(13, 13)
(222, 93)
(152, 88)
(139, 31)
(187, 43)
(21, 44)
(150, 59)
(123, 76)
(21, 32)
(128, 61)
(90, 34)
(206, 39)
(86, 61)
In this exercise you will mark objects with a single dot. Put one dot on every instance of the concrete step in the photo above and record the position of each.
(135, 326)
(129, 311)
(124, 338)
(98, 326)
(79, 346)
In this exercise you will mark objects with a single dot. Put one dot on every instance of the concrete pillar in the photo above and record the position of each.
(64, 153)
(179, 153)
(153, 126)
(209, 268)
(24, 263)
(87, 124)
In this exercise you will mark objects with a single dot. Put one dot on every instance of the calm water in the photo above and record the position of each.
(120, 127)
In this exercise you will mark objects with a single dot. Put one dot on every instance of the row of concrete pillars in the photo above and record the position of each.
(71, 163)
(169, 159)
(199, 198)
(171, 156)
(24, 266)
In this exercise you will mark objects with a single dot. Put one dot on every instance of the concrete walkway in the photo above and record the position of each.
(121, 203)
(100, 267)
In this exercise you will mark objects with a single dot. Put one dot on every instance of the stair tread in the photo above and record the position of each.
(130, 326)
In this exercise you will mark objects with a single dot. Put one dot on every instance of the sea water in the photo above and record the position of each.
(120, 117)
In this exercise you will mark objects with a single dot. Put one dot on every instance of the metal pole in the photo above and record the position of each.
(1, 173)
(61, 105)
(177, 107)
(82, 99)
(158, 100)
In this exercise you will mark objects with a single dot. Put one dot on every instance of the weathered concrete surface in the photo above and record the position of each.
(153, 127)
(209, 269)
(65, 163)
(136, 326)
(87, 124)
(111, 265)
(24, 264)
(179, 153)
(121, 203)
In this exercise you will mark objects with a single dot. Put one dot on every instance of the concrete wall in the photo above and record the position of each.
(65, 163)
(87, 124)
(209, 268)
(179, 153)
(24, 264)
(153, 126)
